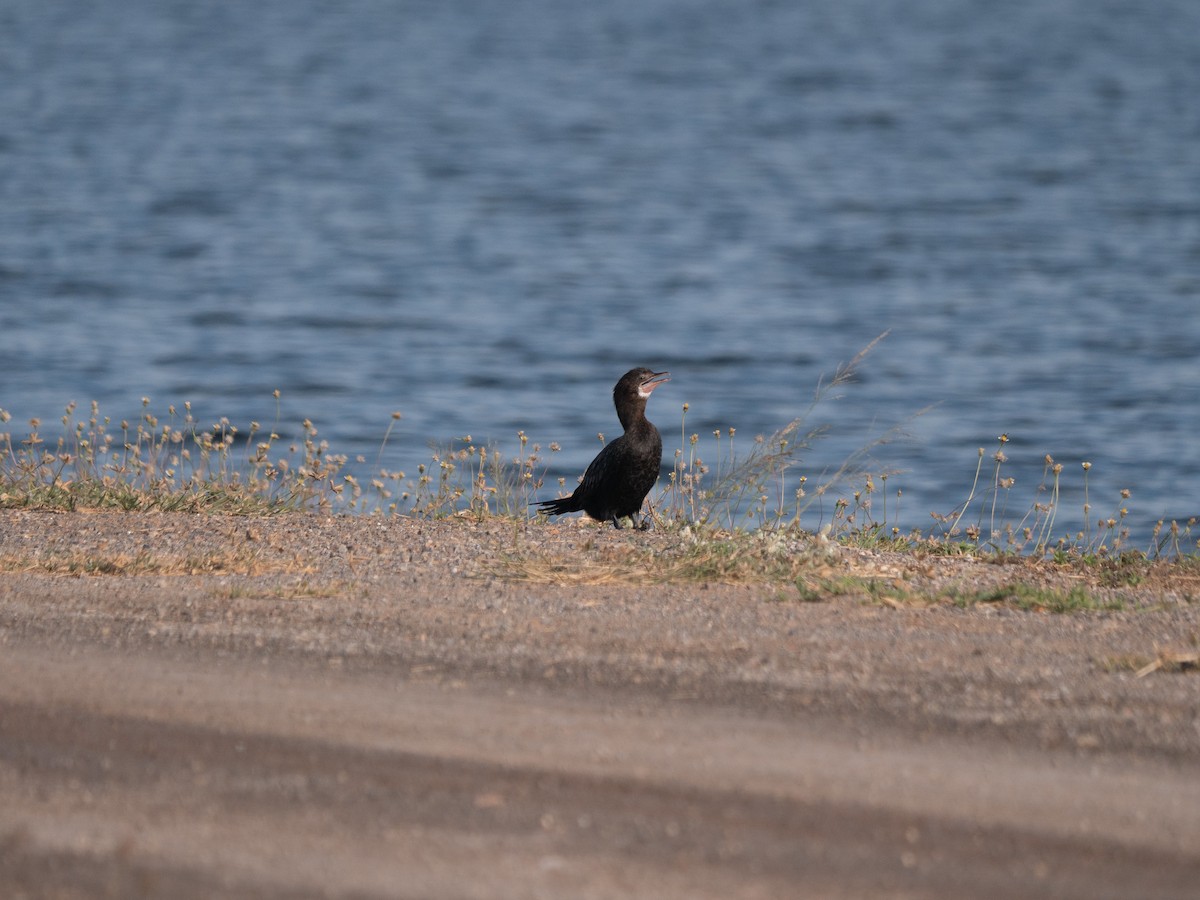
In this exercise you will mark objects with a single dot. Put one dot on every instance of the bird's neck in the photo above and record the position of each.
(633, 416)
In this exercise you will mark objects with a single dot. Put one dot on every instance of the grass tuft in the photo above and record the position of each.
(170, 464)
(760, 489)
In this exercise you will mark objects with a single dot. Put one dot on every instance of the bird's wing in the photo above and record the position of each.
(607, 461)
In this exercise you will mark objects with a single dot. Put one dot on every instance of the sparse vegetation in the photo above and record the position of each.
(693, 555)
(763, 488)
(171, 464)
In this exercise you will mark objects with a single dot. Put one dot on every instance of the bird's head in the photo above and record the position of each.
(639, 383)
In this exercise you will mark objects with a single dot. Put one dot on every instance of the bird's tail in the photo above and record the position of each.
(560, 506)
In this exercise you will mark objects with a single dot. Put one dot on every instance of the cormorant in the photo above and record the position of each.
(619, 478)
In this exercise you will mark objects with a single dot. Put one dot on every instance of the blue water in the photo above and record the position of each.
(481, 214)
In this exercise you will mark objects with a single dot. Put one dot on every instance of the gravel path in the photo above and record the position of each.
(307, 706)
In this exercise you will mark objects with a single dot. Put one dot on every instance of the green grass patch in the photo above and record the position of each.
(692, 557)
(1040, 598)
(80, 563)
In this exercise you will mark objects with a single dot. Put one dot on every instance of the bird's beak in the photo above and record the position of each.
(654, 381)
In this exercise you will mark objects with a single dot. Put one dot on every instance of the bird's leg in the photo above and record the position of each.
(643, 525)
(616, 523)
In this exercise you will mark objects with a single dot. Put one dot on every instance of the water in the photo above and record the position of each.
(481, 214)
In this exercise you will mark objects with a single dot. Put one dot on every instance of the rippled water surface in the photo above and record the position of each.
(481, 214)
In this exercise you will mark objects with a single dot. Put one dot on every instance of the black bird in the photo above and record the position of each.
(619, 478)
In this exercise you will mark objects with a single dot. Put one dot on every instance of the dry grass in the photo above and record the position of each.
(1170, 661)
(1166, 660)
(1163, 661)
(170, 463)
(765, 487)
(983, 521)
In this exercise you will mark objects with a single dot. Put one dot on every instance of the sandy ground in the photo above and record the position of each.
(307, 706)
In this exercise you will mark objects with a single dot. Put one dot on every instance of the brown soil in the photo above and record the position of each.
(305, 706)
